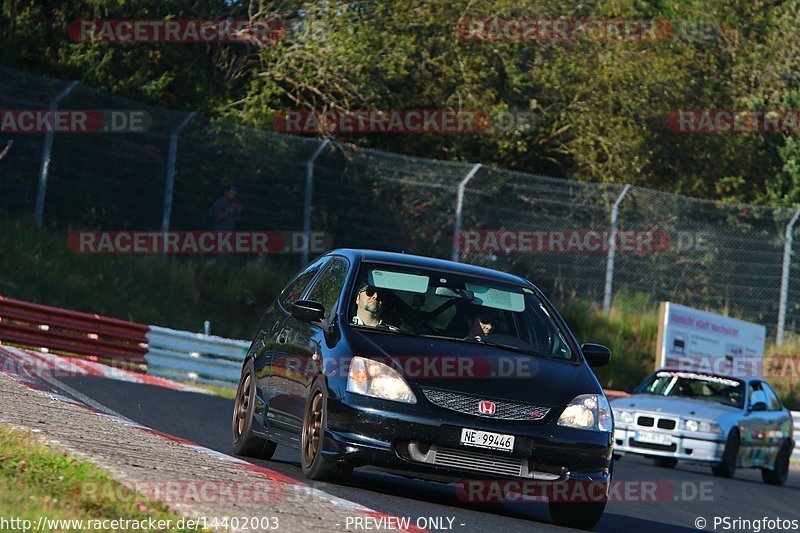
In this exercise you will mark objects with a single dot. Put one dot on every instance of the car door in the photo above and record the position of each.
(301, 353)
(754, 427)
(273, 334)
(777, 423)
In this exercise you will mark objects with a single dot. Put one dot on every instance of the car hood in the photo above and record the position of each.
(674, 406)
(486, 371)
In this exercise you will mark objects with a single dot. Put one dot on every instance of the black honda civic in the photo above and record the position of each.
(426, 368)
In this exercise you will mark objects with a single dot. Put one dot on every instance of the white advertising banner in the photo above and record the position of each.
(690, 339)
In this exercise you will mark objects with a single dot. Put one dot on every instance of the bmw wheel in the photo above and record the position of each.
(730, 457)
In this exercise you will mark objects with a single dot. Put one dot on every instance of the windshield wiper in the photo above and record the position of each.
(484, 343)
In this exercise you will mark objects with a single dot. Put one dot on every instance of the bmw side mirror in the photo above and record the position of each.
(759, 406)
(308, 311)
(596, 354)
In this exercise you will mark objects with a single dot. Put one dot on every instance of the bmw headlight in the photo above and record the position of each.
(701, 426)
(623, 417)
(377, 380)
(587, 411)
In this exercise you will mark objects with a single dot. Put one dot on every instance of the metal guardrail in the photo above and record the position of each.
(194, 356)
(70, 332)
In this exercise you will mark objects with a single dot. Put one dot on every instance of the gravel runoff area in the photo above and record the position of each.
(194, 481)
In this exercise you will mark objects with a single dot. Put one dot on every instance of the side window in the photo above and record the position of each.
(296, 287)
(329, 285)
(773, 403)
(757, 394)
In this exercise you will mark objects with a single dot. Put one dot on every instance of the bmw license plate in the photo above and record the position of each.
(653, 438)
(485, 439)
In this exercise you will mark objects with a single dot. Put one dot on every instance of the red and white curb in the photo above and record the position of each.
(288, 484)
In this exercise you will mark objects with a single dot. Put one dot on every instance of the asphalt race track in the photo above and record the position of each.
(206, 420)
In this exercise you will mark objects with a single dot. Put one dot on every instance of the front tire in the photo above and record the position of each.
(315, 465)
(244, 442)
(727, 468)
(779, 473)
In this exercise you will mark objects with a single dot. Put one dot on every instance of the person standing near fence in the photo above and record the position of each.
(226, 210)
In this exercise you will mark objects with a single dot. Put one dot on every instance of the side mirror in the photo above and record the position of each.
(596, 354)
(308, 311)
(759, 406)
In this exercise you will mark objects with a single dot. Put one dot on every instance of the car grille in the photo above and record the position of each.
(666, 423)
(469, 405)
(651, 421)
(482, 462)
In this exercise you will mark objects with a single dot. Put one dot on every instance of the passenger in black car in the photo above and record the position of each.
(482, 325)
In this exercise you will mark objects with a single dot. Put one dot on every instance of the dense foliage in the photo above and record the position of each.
(597, 109)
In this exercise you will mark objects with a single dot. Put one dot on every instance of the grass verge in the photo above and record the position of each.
(37, 481)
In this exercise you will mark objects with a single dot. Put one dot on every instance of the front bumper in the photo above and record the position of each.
(704, 448)
(425, 439)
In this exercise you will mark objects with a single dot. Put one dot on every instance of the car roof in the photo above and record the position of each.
(359, 255)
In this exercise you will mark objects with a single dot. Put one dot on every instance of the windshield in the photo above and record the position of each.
(429, 303)
(726, 391)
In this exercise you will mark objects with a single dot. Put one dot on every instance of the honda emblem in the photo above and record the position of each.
(486, 407)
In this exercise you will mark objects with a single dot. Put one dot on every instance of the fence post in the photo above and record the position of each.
(787, 264)
(169, 188)
(462, 186)
(47, 149)
(612, 250)
(307, 201)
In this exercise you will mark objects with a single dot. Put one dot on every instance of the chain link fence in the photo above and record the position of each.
(588, 241)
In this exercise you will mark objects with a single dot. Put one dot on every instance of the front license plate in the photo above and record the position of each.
(654, 438)
(485, 439)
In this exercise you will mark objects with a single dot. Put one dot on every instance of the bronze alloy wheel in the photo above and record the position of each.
(313, 428)
(315, 464)
(245, 442)
(241, 408)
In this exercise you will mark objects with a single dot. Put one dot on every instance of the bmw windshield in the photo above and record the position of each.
(726, 391)
(429, 303)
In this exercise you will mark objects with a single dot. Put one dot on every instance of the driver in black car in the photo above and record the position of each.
(369, 302)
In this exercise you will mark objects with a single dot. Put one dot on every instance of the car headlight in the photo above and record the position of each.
(623, 417)
(587, 411)
(701, 426)
(377, 380)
